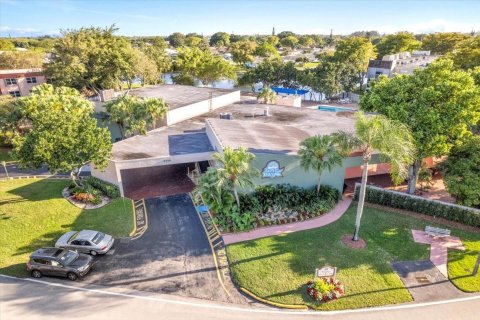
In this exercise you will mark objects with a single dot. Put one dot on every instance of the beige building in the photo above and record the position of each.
(19, 82)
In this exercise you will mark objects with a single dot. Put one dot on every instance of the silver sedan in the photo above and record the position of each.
(87, 241)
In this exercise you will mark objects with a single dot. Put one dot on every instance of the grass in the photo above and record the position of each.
(5, 154)
(277, 268)
(34, 214)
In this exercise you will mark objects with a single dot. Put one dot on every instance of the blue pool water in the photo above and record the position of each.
(333, 109)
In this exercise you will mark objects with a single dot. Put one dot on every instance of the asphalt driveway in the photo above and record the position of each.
(172, 256)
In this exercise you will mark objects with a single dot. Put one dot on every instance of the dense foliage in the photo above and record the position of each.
(461, 172)
(107, 189)
(420, 205)
(62, 132)
(438, 112)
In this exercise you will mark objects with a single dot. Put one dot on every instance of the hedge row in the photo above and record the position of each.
(428, 207)
(108, 189)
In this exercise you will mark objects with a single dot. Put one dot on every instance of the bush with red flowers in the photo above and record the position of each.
(325, 289)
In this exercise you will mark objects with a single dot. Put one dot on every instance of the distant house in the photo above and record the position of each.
(379, 67)
(19, 82)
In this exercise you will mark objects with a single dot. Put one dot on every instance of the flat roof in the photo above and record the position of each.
(178, 139)
(177, 96)
(257, 137)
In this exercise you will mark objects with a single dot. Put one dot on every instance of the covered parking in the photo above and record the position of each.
(146, 183)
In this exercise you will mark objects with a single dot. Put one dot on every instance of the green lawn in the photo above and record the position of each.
(276, 268)
(33, 214)
(5, 154)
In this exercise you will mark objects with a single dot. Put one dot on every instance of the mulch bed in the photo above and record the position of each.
(347, 240)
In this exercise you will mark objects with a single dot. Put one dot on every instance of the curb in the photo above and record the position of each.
(35, 177)
(275, 304)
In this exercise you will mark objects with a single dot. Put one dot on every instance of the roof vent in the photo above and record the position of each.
(226, 116)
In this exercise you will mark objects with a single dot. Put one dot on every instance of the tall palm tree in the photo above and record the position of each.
(320, 153)
(392, 140)
(235, 170)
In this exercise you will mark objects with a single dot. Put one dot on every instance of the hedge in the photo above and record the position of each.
(428, 207)
(108, 189)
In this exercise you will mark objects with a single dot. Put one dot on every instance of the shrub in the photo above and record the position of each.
(106, 188)
(325, 289)
(424, 206)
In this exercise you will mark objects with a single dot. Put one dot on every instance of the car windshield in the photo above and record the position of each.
(98, 237)
(68, 257)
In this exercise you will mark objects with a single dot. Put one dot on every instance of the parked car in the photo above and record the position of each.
(87, 241)
(59, 262)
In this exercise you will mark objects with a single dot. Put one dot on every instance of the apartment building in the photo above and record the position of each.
(19, 82)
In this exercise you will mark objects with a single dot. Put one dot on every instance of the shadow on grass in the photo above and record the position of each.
(16, 270)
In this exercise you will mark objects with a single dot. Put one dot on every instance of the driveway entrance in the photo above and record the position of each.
(172, 256)
(149, 182)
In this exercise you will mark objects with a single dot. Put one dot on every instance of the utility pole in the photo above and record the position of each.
(477, 264)
(273, 31)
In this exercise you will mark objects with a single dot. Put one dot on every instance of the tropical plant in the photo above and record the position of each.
(135, 114)
(461, 172)
(439, 113)
(320, 153)
(391, 139)
(268, 96)
(235, 170)
(62, 132)
(243, 51)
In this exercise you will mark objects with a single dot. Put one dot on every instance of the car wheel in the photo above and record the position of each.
(36, 274)
(72, 276)
(93, 253)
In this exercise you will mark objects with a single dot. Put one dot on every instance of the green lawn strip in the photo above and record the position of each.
(461, 263)
(276, 268)
(34, 214)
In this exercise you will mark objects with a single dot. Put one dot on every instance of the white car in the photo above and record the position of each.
(86, 241)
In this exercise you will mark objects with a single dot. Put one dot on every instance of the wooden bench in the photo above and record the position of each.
(436, 232)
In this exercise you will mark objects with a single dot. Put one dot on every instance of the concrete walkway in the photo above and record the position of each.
(438, 248)
(321, 221)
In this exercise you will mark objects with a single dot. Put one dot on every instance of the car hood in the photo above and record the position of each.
(81, 261)
(63, 240)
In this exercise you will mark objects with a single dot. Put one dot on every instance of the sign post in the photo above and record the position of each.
(4, 164)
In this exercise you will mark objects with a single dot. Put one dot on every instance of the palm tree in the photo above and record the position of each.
(391, 139)
(320, 153)
(235, 171)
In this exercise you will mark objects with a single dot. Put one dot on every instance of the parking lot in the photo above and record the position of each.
(172, 256)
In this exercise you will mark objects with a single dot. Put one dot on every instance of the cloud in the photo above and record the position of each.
(25, 32)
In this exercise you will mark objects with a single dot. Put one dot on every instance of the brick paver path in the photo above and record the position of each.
(438, 248)
(321, 221)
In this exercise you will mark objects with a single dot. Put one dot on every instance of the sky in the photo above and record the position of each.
(158, 17)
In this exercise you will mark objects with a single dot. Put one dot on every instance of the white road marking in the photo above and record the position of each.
(221, 307)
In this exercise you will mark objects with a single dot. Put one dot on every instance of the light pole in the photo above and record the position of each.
(4, 164)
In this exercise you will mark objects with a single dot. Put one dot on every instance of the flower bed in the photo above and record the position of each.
(325, 289)
(94, 193)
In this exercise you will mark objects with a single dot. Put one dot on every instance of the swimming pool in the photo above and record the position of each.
(333, 108)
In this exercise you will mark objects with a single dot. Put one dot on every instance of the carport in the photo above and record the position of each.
(150, 182)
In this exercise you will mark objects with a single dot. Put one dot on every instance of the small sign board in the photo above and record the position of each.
(326, 272)
(272, 170)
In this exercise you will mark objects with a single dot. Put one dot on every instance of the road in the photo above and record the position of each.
(15, 171)
(32, 299)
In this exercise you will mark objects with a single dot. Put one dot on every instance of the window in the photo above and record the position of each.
(10, 81)
(42, 261)
(15, 94)
(57, 264)
(31, 80)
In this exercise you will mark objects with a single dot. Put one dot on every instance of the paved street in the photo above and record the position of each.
(21, 299)
(15, 171)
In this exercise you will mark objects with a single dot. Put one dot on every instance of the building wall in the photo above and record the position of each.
(372, 72)
(294, 174)
(22, 85)
(202, 107)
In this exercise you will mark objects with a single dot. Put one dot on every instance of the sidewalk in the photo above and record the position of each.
(321, 221)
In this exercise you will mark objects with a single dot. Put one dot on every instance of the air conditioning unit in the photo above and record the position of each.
(226, 116)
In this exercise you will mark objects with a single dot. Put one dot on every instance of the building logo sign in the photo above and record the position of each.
(272, 170)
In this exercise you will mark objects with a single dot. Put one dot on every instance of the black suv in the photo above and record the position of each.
(59, 262)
